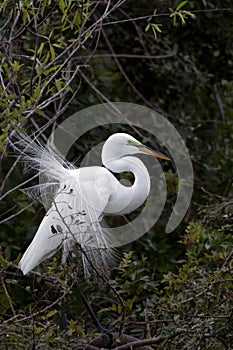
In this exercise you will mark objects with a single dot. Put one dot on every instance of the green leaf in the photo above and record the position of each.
(40, 50)
(52, 51)
(181, 5)
(62, 6)
(58, 84)
(16, 66)
(157, 27)
(51, 313)
(147, 27)
(182, 18)
(188, 13)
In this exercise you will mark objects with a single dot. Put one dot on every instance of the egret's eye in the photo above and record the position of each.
(133, 143)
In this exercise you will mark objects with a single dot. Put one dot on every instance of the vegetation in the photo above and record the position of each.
(170, 291)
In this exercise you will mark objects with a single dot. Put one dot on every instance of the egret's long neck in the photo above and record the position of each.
(127, 199)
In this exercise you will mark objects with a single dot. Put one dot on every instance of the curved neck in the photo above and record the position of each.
(127, 199)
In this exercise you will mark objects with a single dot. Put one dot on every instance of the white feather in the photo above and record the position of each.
(72, 218)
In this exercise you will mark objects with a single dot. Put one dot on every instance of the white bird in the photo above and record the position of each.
(81, 197)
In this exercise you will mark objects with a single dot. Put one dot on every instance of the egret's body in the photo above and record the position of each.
(83, 196)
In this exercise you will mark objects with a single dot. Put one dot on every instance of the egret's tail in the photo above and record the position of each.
(101, 260)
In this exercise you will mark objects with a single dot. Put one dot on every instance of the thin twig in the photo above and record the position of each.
(7, 294)
(131, 56)
(140, 18)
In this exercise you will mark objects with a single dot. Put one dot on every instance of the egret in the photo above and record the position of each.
(79, 198)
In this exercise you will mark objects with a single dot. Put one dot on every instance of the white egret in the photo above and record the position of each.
(82, 196)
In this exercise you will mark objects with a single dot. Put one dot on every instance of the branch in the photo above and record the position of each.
(7, 294)
(89, 343)
(123, 342)
(124, 55)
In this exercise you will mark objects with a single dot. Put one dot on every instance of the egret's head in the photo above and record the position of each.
(121, 144)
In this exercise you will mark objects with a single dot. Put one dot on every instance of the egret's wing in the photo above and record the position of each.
(43, 246)
(74, 217)
(50, 234)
